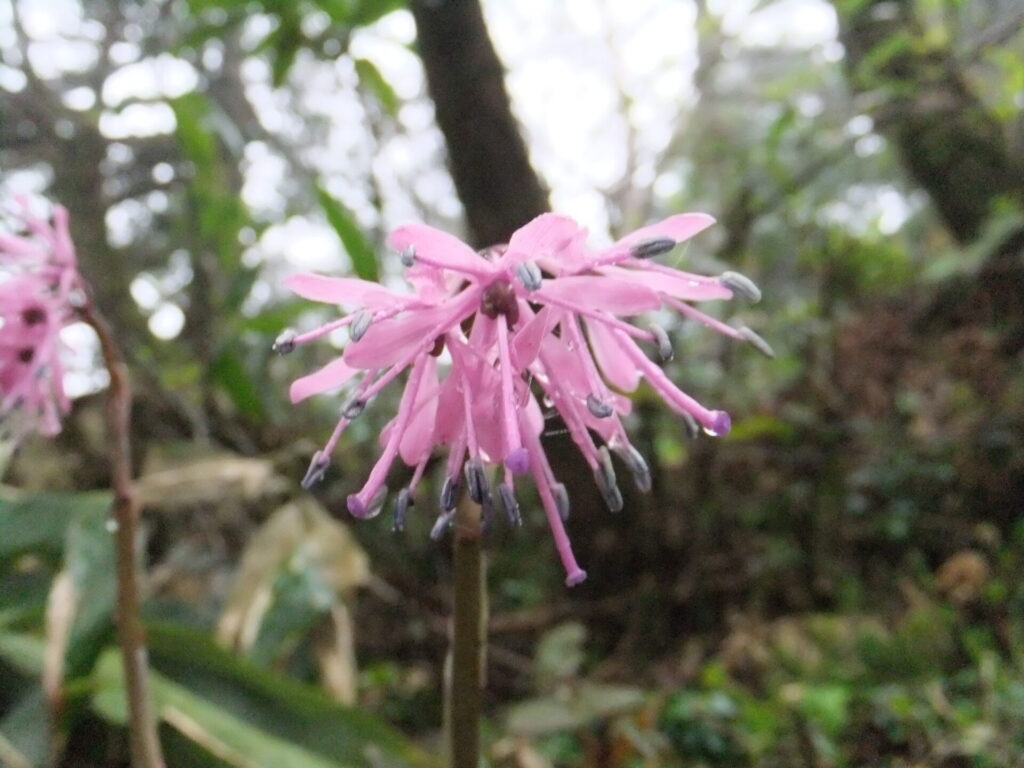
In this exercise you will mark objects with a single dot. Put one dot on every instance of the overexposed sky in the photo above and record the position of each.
(598, 85)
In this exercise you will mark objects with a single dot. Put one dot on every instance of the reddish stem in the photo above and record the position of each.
(142, 728)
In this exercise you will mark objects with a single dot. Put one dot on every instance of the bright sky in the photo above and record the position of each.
(568, 64)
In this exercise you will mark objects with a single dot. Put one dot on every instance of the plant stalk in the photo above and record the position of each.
(464, 698)
(142, 727)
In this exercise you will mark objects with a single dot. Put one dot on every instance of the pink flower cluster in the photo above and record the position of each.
(38, 280)
(541, 319)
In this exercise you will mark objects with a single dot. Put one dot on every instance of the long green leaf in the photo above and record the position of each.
(360, 249)
(280, 708)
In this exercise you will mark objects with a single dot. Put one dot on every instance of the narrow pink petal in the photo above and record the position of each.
(418, 440)
(64, 249)
(564, 365)
(438, 248)
(593, 292)
(680, 227)
(331, 376)
(680, 285)
(527, 340)
(388, 341)
(11, 245)
(449, 420)
(545, 235)
(614, 363)
(350, 291)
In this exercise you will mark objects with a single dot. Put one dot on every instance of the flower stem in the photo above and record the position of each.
(142, 729)
(469, 631)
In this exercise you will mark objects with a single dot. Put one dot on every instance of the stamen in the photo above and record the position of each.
(476, 481)
(561, 497)
(691, 425)
(604, 476)
(529, 275)
(599, 408)
(317, 469)
(285, 342)
(511, 505)
(665, 351)
(741, 285)
(637, 465)
(353, 407)
(450, 493)
(649, 249)
(756, 341)
(402, 503)
(441, 524)
(360, 325)
(408, 255)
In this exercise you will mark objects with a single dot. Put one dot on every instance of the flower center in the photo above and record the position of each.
(33, 316)
(499, 298)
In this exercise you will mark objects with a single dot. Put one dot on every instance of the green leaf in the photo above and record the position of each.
(26, 728)
(368, 11)
(300, 598)
(191, 112)
(229, 372)
(23, 652)
(360, 249)
(280, 709)
(37, 523)
(219, 732)
(372, 78)
(89, 557)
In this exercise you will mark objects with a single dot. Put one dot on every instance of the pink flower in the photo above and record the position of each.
(38, 278)
(539, 319)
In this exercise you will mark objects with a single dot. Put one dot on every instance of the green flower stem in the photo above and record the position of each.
(469, 631)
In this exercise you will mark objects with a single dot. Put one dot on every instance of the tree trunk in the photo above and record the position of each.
(950, 144)
(486, 153)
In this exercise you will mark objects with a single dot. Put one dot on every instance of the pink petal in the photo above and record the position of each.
(680, 227)
(487, 415)
(593, 292)
(527, 340)
(12, 245)
(615, 364)
(680, 285)
(350, 291)
(547, 234)
(439, 248)
(331, 376)
(419, 438)
(450, 414)
(565, 365)
(532, 418)
(388, 341)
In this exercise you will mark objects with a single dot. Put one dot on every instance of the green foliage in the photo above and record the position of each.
(359, 249)
(224, 710)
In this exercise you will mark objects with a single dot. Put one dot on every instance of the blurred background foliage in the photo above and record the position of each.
(836, 583)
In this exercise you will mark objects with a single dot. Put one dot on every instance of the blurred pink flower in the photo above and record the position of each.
(38, 279)
(541, 319)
